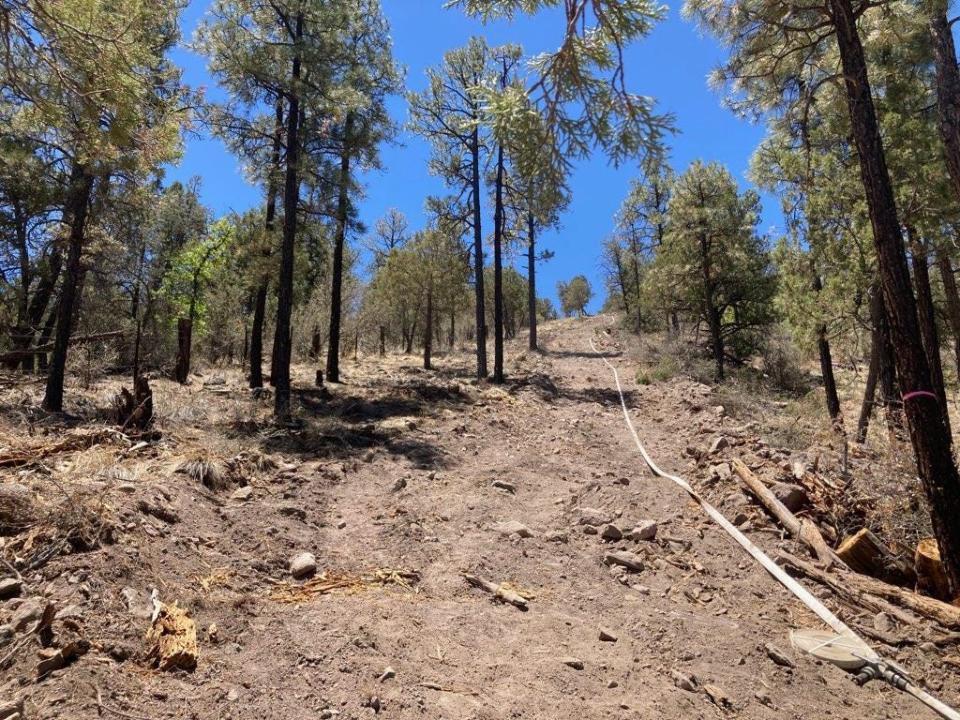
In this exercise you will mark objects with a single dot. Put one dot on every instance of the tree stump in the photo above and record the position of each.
(135, 410)
(931, 577)
(866, 554)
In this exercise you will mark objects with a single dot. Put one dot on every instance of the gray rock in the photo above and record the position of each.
(590, 530)
(644, 530)
(504, 485)
(625, 559)
(138, 604)
(721, 472)
(243, 493)
(607, 635)
(721, 443)
(792, 496)
(28, 613)
(303, 565)
(575, 663)
(684, 681)
(514, 527)
(10, 587)
(593, 517)
(611, 532)
(778, 656)
(557, 536)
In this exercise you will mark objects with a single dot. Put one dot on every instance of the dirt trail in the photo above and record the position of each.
(422, 498)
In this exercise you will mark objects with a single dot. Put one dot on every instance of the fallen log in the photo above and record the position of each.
(498, 591)
(856, 585)
(931, 576)
(47, 347)
(802, 529)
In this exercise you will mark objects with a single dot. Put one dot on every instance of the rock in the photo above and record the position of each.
(719, 697)
(138, 604)
(341, 525)
(763, 697)
(243, 494)
(6, 634)
(720, 443)
(778, 656)
(10, 587)
(798, 467)
(625, 559)
(71, 612)
(303, 565)
(514, 527)
(721, 472)
(644, 530)
(883, 622)
(684, 681)
(611, 532)
(612, 684)
(557, 536)
(29, 612)
(504, 485)
(399, 485)
(607, 635)
(575, 663)
(793, 497)
(593, 517)
(590, 530)
(233, 695)
(388, 673)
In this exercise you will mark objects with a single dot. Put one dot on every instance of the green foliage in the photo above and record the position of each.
(575, 295)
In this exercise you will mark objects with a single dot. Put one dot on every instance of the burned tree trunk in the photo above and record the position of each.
(481, 311)
(135, 410)
(498, 223)
(428, 332)
(826, 361)
(929, 434)
(952, 297)
(184, 344)
(870, 391)
(531, 279)
(336, 297)
(927, 316)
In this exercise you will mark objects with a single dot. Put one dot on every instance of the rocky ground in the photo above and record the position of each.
(401, 483)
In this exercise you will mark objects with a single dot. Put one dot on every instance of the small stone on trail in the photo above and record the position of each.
(607, 635)
(557, 536)
(684, 681)
(138, 604)
(303, 565)
(624, 558)
(764, 697)
(611, 532)
(590, 530)
(575, 663)
(233, 695)
(243, 493)
(793, 497)
(883, 622)
(399, 485)
(514, 527)
(778, 656)
(721, 443)
(593, 517)
(341, 525)
(504, 485)
(10, 588)
(721, 472)
(612, 684)
(645, 530)
(387, 674)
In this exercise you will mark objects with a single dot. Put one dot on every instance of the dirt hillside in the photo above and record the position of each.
(399, 482)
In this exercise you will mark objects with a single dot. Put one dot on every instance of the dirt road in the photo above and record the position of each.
(431, 476)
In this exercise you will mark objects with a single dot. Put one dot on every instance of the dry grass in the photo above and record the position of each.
(328, 582)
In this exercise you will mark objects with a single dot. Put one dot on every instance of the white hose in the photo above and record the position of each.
(779, 574)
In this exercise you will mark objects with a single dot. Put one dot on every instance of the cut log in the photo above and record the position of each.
(931, 577)
(172, 639)
(499, 592)
(803, 530)
(866, 554)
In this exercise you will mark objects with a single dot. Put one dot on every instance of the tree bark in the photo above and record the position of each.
(952, 297)
(710, 309)
(77, 208)
(280, 372)
(498, 222)
(927, 317)
(947, 87)
(929, 435)
(481, 311)
(383, 341)
(532, 279)
(428, 332)
(826, 361)
(260, 303)
(336, 295)
(870, 391)
(184, 342)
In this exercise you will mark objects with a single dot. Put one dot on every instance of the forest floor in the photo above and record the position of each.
(399, 482)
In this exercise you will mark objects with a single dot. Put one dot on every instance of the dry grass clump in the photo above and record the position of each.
(210, 473)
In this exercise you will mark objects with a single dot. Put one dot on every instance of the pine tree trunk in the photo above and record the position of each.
(282, 342)
(928, 433)
(77, 208)
(710, 309)
(336, 294)
(498, 222)
(826, 362)
(383, 341)
(886, 370)
(256, 336)
(184, 346)
(532, 279)
(481, 311)
(947, 87)
(952, 297)
(927, 317)
(870, 391)
(428, 332)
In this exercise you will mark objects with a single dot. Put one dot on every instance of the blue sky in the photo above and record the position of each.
(671, 65)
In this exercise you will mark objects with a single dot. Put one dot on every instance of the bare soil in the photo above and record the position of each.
(398, 482)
